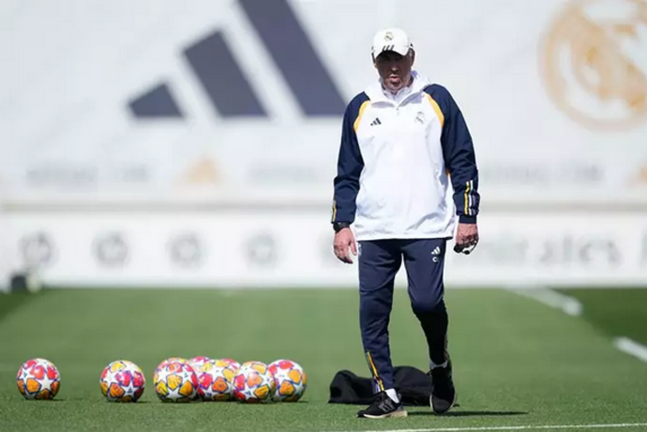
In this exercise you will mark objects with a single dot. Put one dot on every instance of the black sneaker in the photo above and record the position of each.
(383, 407)
(443, 394)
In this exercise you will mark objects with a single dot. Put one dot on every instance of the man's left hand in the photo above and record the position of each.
(467, 237)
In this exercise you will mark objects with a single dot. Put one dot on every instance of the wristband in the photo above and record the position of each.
(338, 226)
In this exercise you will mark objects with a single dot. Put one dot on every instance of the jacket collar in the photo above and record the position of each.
(377, 93)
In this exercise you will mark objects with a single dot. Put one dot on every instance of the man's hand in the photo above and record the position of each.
(344, 240)
(467, 237)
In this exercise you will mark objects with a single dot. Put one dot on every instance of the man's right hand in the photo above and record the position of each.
(345, 240)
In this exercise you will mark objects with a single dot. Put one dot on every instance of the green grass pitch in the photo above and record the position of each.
(517, 362)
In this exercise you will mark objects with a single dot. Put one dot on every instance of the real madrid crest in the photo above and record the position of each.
(594, 62)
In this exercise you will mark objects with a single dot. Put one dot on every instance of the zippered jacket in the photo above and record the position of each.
(406, 166)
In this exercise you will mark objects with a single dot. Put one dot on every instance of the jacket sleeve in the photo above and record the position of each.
(459, 155)
(349, 164)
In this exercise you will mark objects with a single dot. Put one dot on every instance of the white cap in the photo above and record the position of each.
(391, 39)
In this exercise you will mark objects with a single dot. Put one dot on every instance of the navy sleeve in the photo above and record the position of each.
(459, 155)
(349, 164)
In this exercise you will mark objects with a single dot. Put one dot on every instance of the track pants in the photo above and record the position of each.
(379, 261)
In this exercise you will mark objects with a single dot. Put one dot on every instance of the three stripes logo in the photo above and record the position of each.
(226, 85)
(376, 122)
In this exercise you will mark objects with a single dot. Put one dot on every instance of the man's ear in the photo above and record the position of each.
(412, 54)
(373, 60)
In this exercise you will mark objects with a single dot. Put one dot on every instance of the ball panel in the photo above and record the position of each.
(116, 391)
(220, 385)
(33, 386)
(55, 386)
(187, 389)
(52, 373)
(161, 388)
(173, 381)
(295, 375)
(44, 395)
(286, 389)
(254, 379)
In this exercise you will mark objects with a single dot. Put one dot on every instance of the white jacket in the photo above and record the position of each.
(392, 177)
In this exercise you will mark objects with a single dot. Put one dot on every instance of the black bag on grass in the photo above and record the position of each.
(413, 386)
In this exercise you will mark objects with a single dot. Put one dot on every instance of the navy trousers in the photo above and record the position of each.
(379, 261)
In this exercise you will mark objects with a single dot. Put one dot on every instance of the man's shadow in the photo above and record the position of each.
(468, 413)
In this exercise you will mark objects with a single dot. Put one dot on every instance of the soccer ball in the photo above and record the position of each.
(291, 380)
(215, 381)
(175, 381)
(122, 381)
(38, 379)
(254, 383)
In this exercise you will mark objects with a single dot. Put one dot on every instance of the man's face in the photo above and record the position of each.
(394, 69)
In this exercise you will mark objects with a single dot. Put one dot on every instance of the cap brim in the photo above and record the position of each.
(400, 49)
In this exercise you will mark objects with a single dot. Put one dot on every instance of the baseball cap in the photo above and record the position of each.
(391, 39)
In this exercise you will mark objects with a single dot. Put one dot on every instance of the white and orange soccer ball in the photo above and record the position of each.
(122, 381)
(38, 379)
(254, 383)
(290, 379)
(175, 381)
(216, 381)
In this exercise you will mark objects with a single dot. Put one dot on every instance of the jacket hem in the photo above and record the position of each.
(396, 236)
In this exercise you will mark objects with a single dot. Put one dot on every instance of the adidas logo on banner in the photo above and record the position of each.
(226, 85)
(376, 122)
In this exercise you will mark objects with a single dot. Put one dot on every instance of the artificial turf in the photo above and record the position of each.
(517, 362)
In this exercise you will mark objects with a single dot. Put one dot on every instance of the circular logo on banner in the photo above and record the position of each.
(594, 62)
(261, 250)
(185, 250)
(37, 250)
(111, 250)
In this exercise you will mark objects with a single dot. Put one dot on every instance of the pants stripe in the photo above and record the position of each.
(380, 384)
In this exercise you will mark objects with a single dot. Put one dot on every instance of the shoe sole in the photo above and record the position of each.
(451, 405)
(395, 414)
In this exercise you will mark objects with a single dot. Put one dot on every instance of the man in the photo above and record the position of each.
(403, 141)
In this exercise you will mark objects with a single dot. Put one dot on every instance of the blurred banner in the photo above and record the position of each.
(123, 121)
(216, 100)
(251, 250)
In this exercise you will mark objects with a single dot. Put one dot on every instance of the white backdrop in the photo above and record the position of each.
(546, 124)
(129, 113)
(295, 250)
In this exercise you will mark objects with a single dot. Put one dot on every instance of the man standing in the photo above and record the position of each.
(403, 141)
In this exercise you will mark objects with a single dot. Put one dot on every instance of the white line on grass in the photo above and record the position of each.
(566, 304)
(514, 428)
(632, 348)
